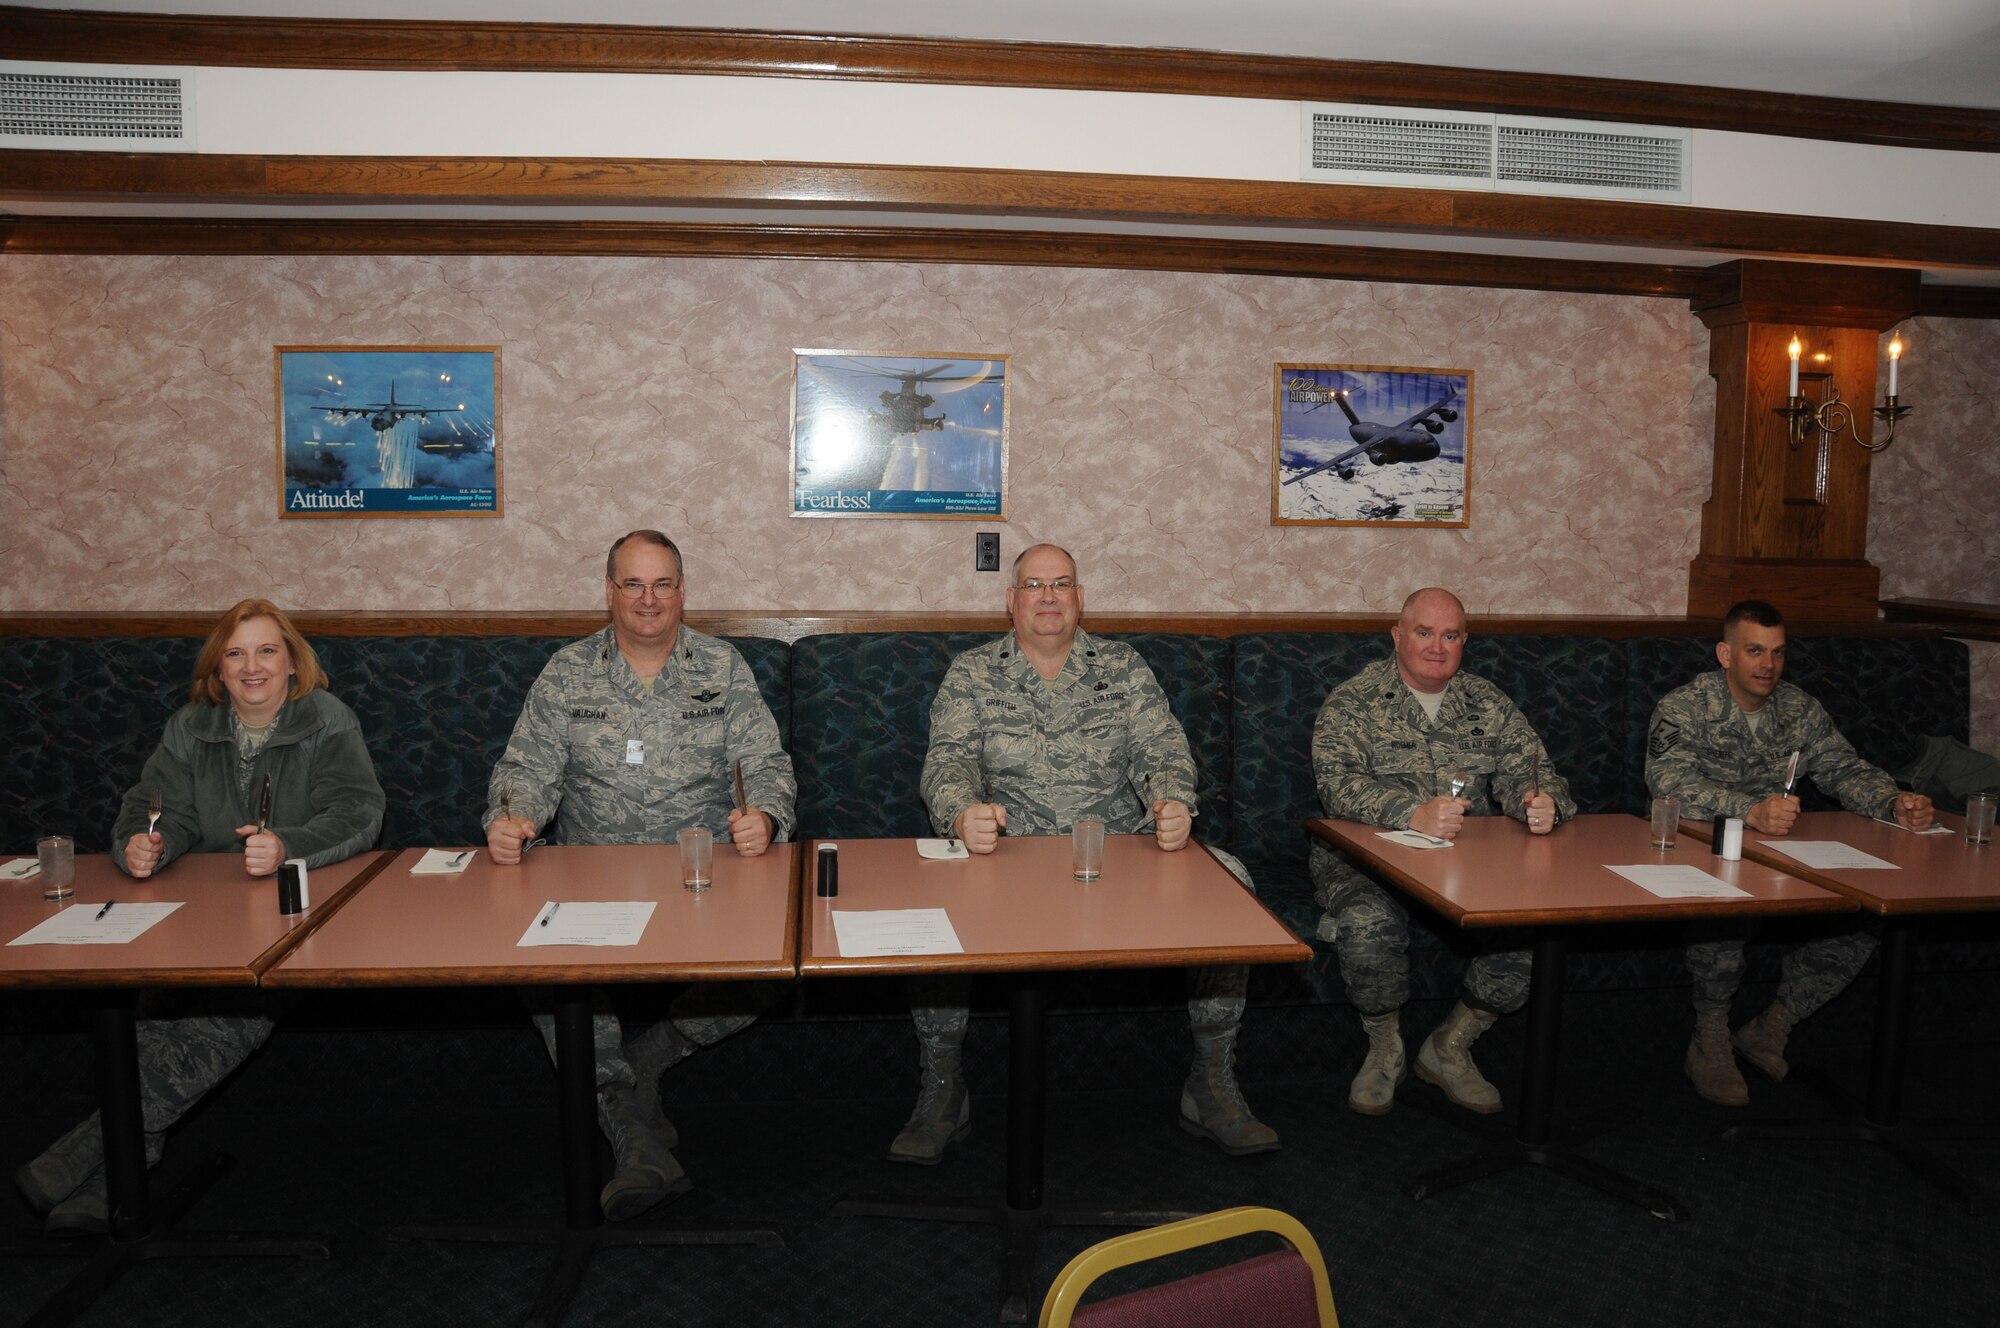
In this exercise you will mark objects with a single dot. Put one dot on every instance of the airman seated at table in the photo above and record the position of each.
(1721, 745)
(1028, 733)
(1413, 743)
(258, 710)
(628, 737)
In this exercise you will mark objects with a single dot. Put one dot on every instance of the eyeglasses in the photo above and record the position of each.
(638, 589)
(1062, 585)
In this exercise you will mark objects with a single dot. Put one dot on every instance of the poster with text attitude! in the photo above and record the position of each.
(388, 431)
(899, 435)
(1368, 445)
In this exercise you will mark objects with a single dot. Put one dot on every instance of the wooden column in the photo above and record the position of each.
(1785, 524)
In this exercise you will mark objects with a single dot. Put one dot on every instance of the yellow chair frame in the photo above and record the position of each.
(1157, 1242)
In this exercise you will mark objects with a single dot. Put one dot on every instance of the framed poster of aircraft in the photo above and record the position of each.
(388, 431)
(899, 435)
(1371, 445)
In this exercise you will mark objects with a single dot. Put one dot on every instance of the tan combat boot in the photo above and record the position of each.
(1712, 1065)
(1373, 1091)
(1445, 1059)
(643, 1171)
(1762, 1040)
(943, 1114)
(1212, 1106)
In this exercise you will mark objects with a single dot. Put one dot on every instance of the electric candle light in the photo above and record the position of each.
(1793, 351)
(1895, 358)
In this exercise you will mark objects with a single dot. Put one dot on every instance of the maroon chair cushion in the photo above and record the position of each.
(1270, 1291)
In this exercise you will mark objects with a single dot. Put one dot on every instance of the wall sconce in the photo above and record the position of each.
(1832, 415)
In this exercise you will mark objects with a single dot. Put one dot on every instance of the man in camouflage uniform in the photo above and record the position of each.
(628, 737)
(1721, 744)
(1028, 733)
(1387, 747)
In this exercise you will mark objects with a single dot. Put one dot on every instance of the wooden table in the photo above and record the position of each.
(1018, 911)
(227, 933)
(463, 930)
(1935, 874)
(1499, 875)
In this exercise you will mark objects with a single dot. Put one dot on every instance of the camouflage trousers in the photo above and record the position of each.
(1810, 975)
(1215, 995)
(1370, 933)
(191, 1041)
(705, 1014)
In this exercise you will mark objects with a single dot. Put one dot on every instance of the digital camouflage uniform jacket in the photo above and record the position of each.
(616, 764)
(1377, 757)
(1100, 740)
(1699, 748)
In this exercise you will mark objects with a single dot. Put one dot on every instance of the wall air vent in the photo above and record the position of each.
(1521, 154)
(113, 108)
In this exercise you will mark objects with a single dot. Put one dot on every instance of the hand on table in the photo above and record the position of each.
(1913, 811)
(979, 826)
(505, 836)
(1541, 814)
(143, 853)
(1172, 823)
(262, 850)
(1774, 815)
(749, 830)
(1442, 817)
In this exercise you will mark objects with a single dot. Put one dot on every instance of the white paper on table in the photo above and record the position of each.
(1412, 839)
(20, 869)
(443, 862)
(942, 849)
(589, 924)
(895, 931)
(1827, 854)
(1934, 828)
(79, 925)
(1674, 881)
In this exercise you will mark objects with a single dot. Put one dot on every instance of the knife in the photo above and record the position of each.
(1791, 773)
(742, 798)
(264, 805)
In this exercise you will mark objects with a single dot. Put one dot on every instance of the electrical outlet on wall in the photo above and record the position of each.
(986, 551)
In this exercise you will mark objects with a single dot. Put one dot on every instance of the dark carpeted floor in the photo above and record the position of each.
(350, 1131)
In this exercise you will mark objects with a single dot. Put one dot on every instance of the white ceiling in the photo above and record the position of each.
(1937, 52)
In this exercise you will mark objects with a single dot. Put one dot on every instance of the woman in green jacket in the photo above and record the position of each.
(259, 707)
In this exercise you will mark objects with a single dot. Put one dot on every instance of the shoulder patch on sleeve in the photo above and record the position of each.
(1666, 736)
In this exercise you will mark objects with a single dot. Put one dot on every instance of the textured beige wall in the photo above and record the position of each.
(140, 446)
(137, 440)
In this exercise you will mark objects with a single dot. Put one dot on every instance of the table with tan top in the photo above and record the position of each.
(227, 932)
(1018, 911)
(406, 930)
(1933, 874)
(1496, 874)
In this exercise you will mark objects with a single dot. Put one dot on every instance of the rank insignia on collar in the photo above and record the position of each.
(704, 698)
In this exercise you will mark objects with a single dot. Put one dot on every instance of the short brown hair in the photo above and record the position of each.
(306, 672)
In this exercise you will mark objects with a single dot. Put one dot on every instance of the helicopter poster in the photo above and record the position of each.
(1369, 445)
(388, 431)
(899, 435)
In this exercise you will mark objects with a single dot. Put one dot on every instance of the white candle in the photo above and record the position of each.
(1793, 351)
(1895, 358)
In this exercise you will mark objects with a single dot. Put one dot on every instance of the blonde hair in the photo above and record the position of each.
(306, 672)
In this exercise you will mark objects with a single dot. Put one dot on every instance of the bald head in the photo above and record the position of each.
(1043, 549)
(1430, 639)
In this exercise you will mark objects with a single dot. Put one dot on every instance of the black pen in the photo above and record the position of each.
(551, 913)
(102, 911)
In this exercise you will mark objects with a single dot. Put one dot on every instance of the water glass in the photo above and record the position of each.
(1979, 818)
(697, 858)
(1667, 822)
(57, 855)
(1086, 848)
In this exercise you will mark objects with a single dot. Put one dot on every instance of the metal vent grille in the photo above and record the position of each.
(71, 106)
(1591, 159)
(1400, 145)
